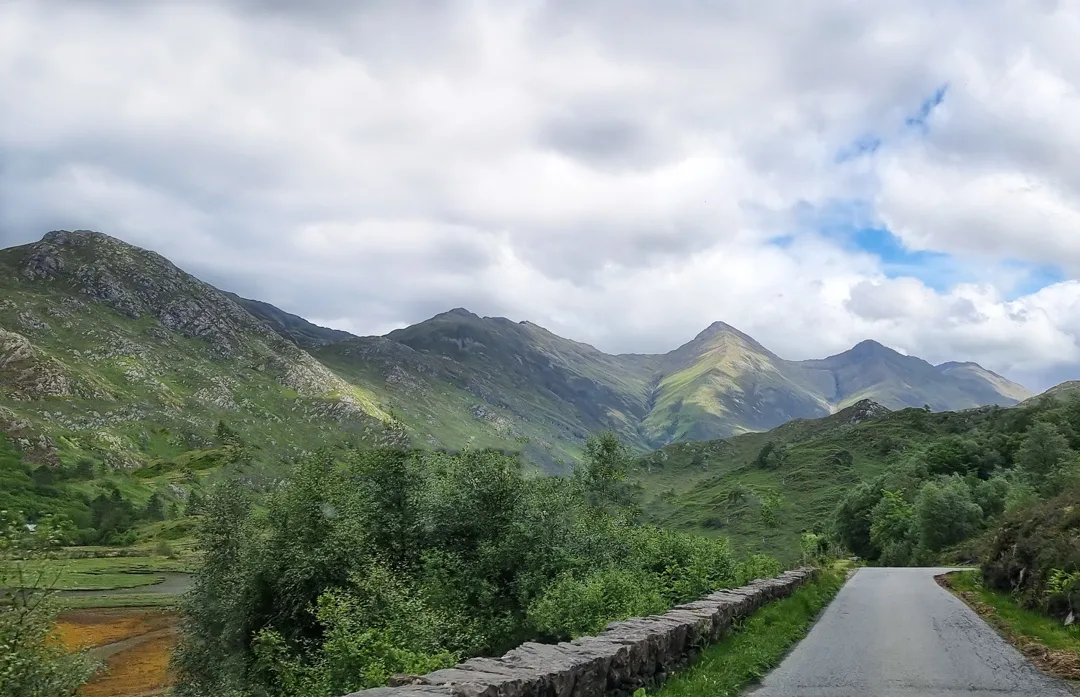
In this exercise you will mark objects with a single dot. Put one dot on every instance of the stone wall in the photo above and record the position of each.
(627, 655)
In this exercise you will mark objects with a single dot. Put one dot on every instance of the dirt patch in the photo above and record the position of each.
(97, 627)
(1060, 664)
(136, 672)
(134, 643)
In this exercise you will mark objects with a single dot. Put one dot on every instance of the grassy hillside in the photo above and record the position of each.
(762, 490)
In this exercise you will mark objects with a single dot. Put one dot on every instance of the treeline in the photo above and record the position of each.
(962, 486)
(369, 563)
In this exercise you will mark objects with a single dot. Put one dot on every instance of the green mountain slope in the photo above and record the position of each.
(103, 344)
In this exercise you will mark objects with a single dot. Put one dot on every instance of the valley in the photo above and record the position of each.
(132, 394)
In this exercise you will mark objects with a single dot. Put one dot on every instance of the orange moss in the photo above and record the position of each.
(141, 670)
(138, 668)
(98, 627)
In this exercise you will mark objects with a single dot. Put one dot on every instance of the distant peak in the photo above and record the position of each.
(717, 328)
(75, 237)
(459, 312)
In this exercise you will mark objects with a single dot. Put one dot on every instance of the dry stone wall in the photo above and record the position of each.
(633, 653)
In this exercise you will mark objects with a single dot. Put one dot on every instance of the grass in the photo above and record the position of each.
(1047, 642)
(108, 573)
(160, 600)
(758, 645)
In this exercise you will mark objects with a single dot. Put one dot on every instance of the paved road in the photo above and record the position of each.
(896, 633)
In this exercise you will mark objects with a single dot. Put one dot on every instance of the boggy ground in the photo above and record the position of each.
(133, 643)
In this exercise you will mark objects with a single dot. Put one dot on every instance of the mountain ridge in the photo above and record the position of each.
(452, 380)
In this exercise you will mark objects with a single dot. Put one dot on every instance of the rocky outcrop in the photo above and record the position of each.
(627, 655)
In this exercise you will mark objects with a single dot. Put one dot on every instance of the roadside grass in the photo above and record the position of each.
(758, 645)
(1052, 646)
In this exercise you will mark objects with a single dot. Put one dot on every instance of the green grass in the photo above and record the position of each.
(106, 573)
(119, 600)
(1013, 620)
(758, 645)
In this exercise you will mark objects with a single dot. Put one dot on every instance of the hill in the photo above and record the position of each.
(762, 490)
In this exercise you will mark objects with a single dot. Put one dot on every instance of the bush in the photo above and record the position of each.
(32, 663)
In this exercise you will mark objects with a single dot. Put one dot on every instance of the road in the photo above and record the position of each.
(896, 633)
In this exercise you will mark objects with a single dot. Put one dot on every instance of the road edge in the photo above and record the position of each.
(1048, 662)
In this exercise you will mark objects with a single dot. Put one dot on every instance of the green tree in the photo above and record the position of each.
(155, 508)
(1041, 454)
(852, 520)
(992, 495)
(891, 524)
(944, 515)
(32, 663)
(225, 435)
(771, 456)
(770, 501)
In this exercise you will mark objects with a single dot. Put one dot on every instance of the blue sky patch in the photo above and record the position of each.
(919, 118)
(1038, 276)
(864, 145)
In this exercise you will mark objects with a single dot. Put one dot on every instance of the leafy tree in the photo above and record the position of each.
(992, 495)
(852, 520)
(957, 455)
(32, 663)
(945, 514)
(602, 472)
(770, 501)
(771, 456)
(1042, 452)
(891, 523)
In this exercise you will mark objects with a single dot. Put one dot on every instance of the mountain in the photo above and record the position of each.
(111, 352)
(297, 329)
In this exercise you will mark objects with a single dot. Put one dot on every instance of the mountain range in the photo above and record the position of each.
(111, 352)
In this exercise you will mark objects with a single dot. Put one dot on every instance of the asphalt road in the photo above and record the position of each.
(896, 633)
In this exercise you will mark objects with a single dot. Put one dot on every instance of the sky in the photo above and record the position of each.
(622, 172)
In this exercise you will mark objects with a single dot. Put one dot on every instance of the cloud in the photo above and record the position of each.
(617, 171)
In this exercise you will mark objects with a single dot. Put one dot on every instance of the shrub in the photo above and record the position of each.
(32, 663)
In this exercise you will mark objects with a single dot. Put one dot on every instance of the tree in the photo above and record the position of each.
(945, 514)
(602, 472)
(32, 663)
(852, 520)
(225, 435)
(111, 514)
(1042, 453)
(155, 508)
(891, 522)
(771, 456)
(770, 500)
(991, 495)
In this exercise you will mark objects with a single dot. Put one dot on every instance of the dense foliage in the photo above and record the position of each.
(1035, 555)
(32, 663)
(961, 485)
(374, 562)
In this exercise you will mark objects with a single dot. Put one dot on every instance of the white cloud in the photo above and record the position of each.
(612, 170)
